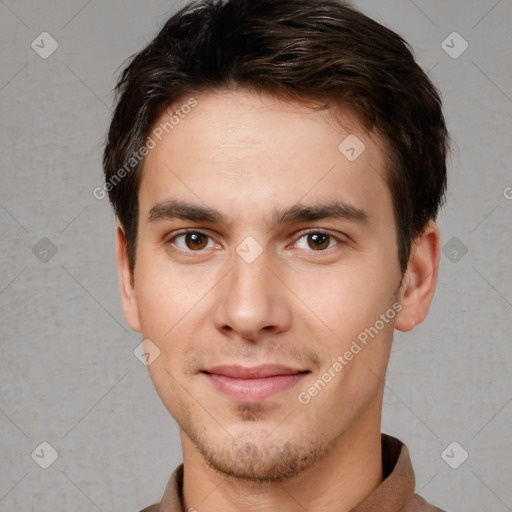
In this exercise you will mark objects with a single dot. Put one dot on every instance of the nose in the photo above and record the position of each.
(252, 301)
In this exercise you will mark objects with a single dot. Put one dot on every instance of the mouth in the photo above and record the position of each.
(253, 384)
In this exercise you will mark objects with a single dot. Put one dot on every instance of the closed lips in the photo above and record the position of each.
(255, 372)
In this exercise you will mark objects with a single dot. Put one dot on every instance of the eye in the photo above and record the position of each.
(192, 241)
(317, 241)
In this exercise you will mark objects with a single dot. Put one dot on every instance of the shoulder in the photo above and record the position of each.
(418, 504)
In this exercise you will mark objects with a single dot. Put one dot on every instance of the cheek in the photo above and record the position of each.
(346, 300)
(165, 293)
(173, 310)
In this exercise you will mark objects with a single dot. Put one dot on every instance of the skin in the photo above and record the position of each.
(248, 155)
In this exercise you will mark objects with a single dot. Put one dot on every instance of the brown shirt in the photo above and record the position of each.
(394, 494)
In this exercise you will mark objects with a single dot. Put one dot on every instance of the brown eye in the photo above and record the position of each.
(195, 241)
(318, 241)
(192, 241)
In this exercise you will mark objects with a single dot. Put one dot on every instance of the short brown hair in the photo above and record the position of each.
(303, 49)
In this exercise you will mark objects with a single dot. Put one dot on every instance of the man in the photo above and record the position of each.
(276, 168)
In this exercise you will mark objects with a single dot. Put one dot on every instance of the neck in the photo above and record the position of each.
(343, 478)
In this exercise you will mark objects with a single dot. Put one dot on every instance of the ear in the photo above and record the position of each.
(126, 282)
(419, 282)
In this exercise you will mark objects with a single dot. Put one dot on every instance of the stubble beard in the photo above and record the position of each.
(259, 457)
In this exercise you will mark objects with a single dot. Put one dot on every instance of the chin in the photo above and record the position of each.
(266, 461)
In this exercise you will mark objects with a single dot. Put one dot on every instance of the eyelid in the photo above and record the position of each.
(184, 231)
(320, 230)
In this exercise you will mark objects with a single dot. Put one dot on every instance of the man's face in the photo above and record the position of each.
(262, 287)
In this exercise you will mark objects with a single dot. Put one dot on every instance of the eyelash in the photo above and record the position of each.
(302, 235)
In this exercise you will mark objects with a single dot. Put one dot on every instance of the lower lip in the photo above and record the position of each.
(254, 390)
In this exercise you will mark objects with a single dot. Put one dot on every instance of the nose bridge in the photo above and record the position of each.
(250, 284)
(250, 299)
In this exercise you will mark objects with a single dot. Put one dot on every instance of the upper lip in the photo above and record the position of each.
(253, 372)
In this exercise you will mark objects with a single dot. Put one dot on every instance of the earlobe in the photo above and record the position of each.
(126, 282)
(420, 279)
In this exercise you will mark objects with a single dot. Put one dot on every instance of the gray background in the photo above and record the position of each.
(68, 375)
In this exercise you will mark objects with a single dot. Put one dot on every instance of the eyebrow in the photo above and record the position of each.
(180, 209)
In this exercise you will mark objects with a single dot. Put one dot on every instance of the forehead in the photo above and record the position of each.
(236, 148)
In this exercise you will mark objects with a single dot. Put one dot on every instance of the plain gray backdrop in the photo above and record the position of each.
(68, 374)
